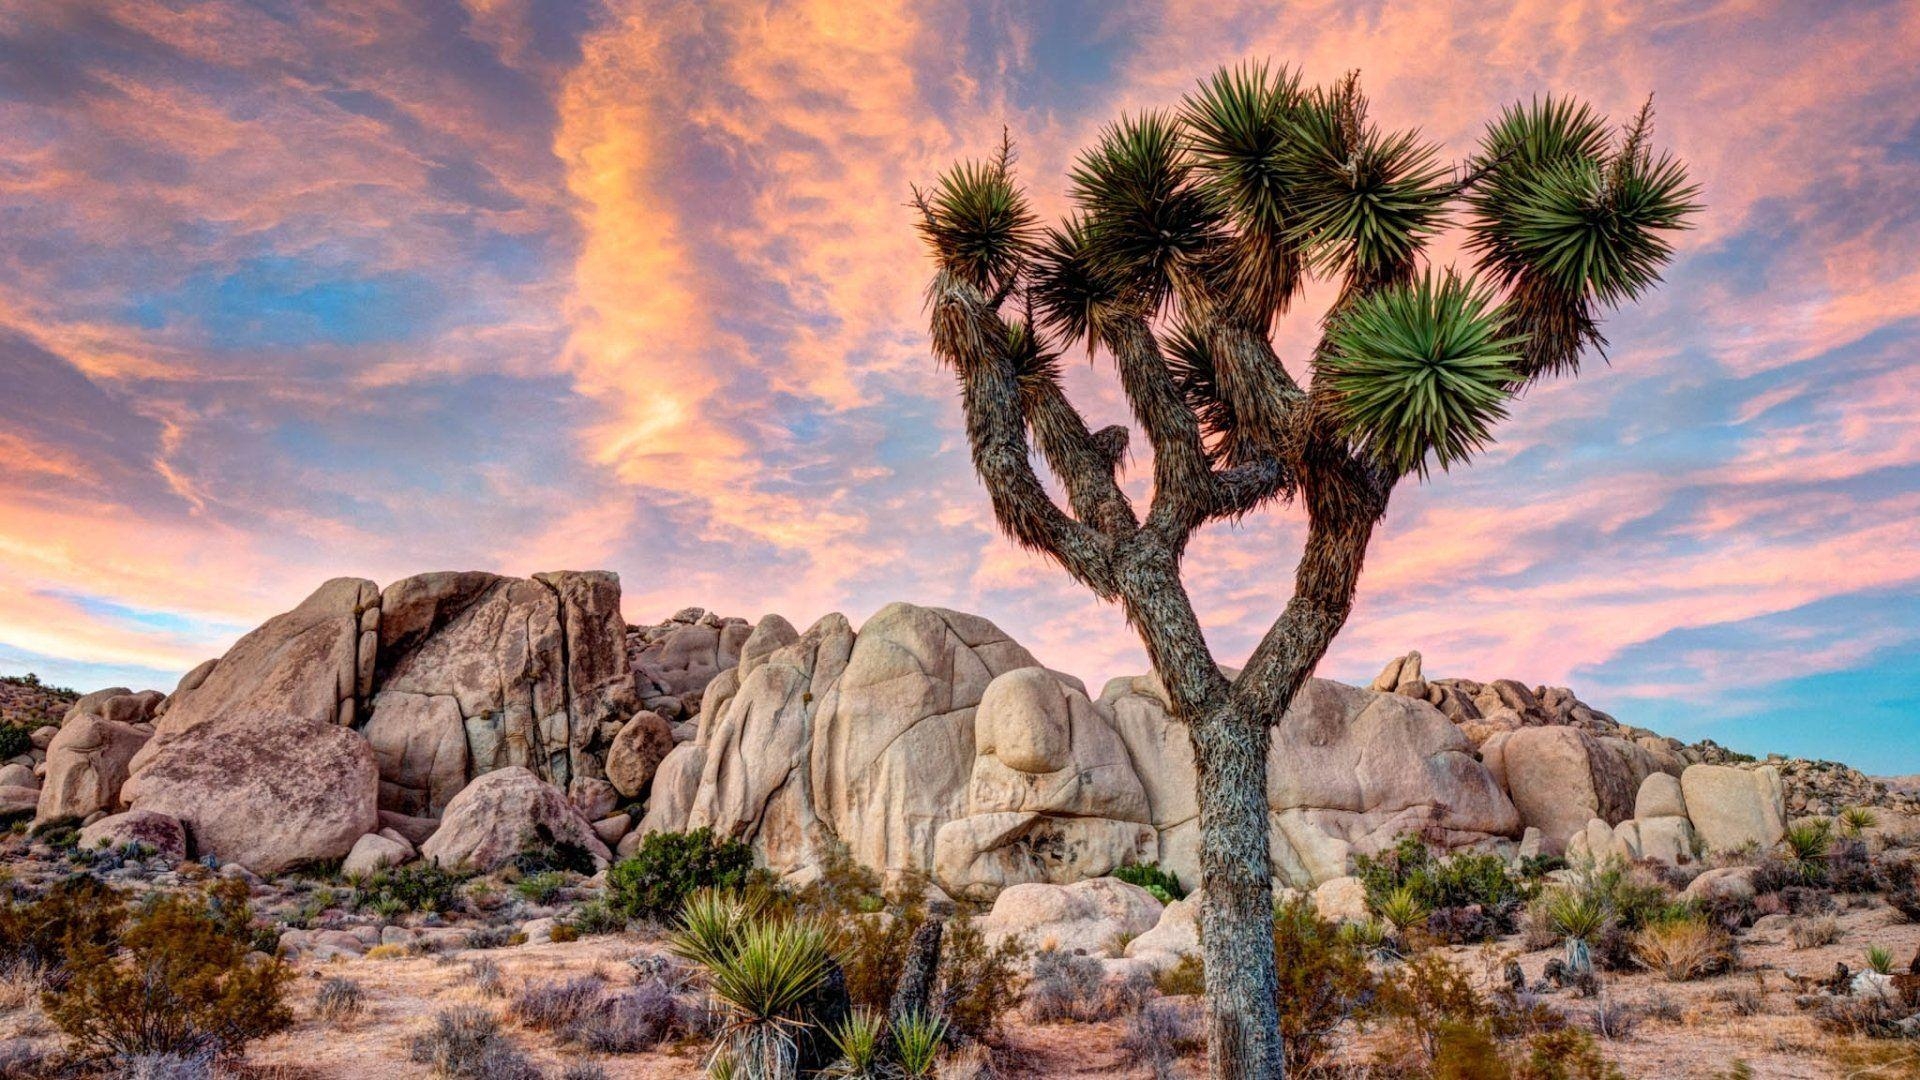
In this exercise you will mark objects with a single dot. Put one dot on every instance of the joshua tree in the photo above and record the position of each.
(1191, 232)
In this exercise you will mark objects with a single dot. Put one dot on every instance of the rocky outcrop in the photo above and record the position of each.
(676, 659)
(269, 791)
(1562, 776)
(1732, 807)
(502, 814)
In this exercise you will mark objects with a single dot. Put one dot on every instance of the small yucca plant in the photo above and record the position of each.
(1402, 909)
(762, 970)
(1576, 915)
(861, 1041)
(1807, 844)
(1880, 960)
(1855, 820)
(917, 1039)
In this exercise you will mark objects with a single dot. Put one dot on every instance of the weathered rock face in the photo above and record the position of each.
(479, 672)
(1561, 776)
(1733, 807)
(268, 791)
(86, 765)
(678, 658)
(1350, 770)
(312, 663)
(502, 813)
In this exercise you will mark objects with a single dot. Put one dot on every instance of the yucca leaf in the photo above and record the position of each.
(1145, 218)
(1420, 371)
(978, 224)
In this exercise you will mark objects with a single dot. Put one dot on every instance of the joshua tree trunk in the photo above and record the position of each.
(1191, 233)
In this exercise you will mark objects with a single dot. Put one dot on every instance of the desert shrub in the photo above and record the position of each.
(181, 982)
(1428, 993)
(1812, 933)
(1161, 1033)
(15, 739)
(1322, 977)
(1876, 1016)
(670, 867)
(484, 975)
(1899, 881)
(589, 919)
(1188, 976)
(77, 913)
(1065, 986)
(552, 1006)
(629, 1022)
(873, 949)
(1481, 897)
(541, 888)
(1466, 1050)
(978, 981)
(1161, 883)
(1740, 1000)
(490, 937)
(584, 1070)
(466, 1042)
(420, 886)
(339, 1000)
(1684, 949)
(1849, 866)
(1566, 1054)
(543, 853)
(1879, 960)
(1612, 1019)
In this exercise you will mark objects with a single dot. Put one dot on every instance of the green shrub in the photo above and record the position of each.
(15, 739)
(1806, 845)
(670, 867)
(1161, 883)
(543, 853)
(1322, 979)
(420, 886)
(1431, 995)
(977, 982)
(1564, 1054)
(181, 982)
(764, 972)
(77, 913)
(541, 888)
(1442, 884)
(916, 1043)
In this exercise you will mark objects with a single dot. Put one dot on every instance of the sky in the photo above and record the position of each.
(291, 291)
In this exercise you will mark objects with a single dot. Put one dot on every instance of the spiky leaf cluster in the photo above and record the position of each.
(1239, 124)
(978, 223)
(1146, 221)
(1420, 371)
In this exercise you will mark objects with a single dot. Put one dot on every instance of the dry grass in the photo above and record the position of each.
(1813, 933)
(1684, 949)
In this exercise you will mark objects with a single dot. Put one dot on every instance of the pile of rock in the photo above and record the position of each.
(27, 702)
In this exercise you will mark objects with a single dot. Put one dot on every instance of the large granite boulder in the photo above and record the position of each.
(502, 814)
(270, 791)
(1560, 777)
(637, 751)
(1053, 794)
(86, 765)
(480, 672)
(1732, 807)
(158, 833)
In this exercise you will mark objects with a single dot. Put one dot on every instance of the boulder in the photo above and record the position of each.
(1560, 777)
(159, 833)
(1732, 807)
(413, 830)
(1176, 935)
(500, 814)
(1342, 899)
(593, 798)
(644, 741)
(375, 850)
(1722, 883)
(18, 801)
(86, 765)
(1088, 917)
(681, 657)
(977, 856)
(1659, 796)
(1670, 840)
(613, 828)
(420, 741)
(269, 791)
(671, 802)
(313, 663)
(14, 774)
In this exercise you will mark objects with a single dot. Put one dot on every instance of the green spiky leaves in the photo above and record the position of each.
(1420, 371)
(978, 223)
(1364, 201)
(1568, 218)
(1145, 218)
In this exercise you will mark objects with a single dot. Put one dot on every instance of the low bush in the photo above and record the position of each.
(1429, 993)
(552, 1006)
(1812, 933)
(763, 970)
(917, 1039)
(1065, 987)
(180, 981)
(861, 1041)
(491, 937)
(1161, 883)
(484, 976)
(420, 886)
(543, 853)
(1186, 977)
(1162, 1033)
(15, 739)
(339, 1000)
(1806, 845)
(1566, 1054)
(1323, 980)
(979, 981)
(466, 1042)
(541, 888)
(1612, 1019)
(629, 1022)
(1684, 949)
(670, 867)
(1481, 897)
(77, 913)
